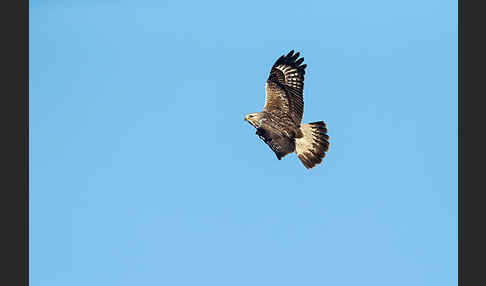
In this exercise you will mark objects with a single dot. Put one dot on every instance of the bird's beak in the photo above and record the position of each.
(246, 118)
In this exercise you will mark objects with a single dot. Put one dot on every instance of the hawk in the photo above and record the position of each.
(279, 124)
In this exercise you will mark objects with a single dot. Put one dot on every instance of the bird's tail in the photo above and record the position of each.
(312, 147)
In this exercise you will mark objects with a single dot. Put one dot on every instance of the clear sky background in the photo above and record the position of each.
(143, 171)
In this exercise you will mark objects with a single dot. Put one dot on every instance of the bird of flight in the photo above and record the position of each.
(279, 124)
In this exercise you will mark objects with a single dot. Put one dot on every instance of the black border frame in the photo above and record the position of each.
(470, 186)
(15, 142)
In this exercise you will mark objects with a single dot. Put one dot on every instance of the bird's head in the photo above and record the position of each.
(254, 119)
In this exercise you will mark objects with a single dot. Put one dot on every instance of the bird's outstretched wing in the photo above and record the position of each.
(285, 87)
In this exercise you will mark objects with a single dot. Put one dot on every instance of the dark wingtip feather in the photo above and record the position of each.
(292, 60)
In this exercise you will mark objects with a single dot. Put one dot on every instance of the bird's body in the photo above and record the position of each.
(279, 124)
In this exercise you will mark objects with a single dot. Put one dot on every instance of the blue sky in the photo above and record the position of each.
(143, 172)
